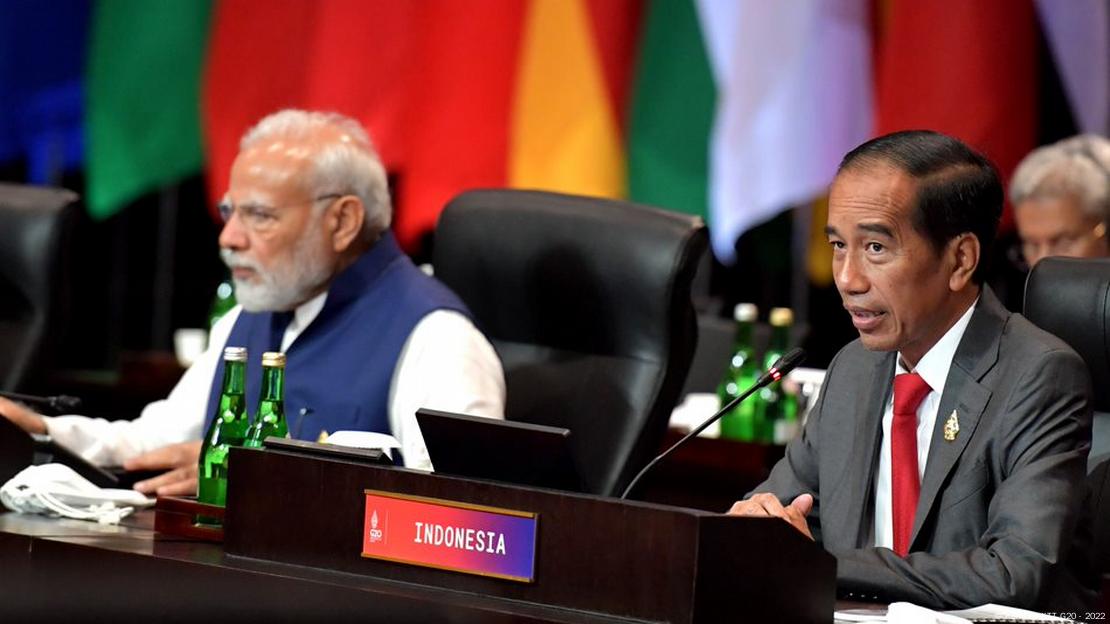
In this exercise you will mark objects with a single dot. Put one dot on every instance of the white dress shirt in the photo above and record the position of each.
(445, 364)
(933, 368)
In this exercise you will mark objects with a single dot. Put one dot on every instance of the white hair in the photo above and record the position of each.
(348, 167)
(1078, 166)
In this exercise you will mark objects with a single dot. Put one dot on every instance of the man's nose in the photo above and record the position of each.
(233, 235)
(849, 278)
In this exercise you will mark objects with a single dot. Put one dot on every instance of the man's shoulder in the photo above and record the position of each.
(1023, 356)
(409, 287)
(1023, 342)
(854, 365)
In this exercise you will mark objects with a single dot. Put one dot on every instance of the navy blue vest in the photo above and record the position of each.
(338, 370)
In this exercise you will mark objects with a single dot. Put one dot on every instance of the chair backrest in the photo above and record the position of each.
(587, 302)
(34, 223)
(1070, 297)
(716, 339)
(1097, 505)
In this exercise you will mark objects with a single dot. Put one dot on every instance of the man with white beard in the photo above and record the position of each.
(369, 338)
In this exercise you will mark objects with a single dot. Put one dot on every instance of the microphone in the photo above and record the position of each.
(781, 367)
(60, 404)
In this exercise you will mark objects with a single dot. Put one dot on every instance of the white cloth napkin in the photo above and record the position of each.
(56, 490)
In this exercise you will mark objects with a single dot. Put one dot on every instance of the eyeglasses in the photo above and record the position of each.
(260, 217)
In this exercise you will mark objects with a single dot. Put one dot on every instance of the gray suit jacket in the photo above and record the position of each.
(999, 505)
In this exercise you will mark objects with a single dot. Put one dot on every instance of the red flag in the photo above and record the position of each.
(458, 121)
(967, 69)
(256, 65)
(360, 65)
(616, 30)
(431, 81)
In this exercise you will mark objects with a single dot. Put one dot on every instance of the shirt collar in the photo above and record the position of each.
(349, 284)
(934, 365)
(307, 312)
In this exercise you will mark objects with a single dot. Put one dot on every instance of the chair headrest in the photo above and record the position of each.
(1070, 297)
(577, 273)
(31, 220)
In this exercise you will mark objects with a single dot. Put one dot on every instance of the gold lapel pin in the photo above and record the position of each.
(951, 427)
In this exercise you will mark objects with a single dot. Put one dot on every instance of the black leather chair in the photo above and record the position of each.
(716, 338)
(1070, 297)
(1097, 507)
(587, 302)
(34, 224)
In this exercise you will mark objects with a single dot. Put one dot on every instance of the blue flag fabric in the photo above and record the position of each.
(42, 65)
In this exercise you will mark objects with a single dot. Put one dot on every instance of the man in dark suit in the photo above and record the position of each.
(944, 461)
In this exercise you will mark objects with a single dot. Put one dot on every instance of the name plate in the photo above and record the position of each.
(450, 536)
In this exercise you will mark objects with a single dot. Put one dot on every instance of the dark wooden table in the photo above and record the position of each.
(708, 473)
(74, 571)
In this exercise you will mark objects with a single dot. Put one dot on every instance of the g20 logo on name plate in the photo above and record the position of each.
(450, 536)
(375, 534)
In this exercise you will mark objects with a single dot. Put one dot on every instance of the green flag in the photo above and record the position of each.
(673, 103)
(143, 98)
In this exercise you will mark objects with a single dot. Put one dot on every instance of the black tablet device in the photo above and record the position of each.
(499, 450)
(364, 455)
(19, 449)
(47, 451)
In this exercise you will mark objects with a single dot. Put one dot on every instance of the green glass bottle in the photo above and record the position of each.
(270, 417)
(228, 429)
(778, 409)
(739, 423)
(222, 304)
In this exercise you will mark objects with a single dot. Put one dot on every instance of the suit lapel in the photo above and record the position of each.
(866, 454)
(963, 394)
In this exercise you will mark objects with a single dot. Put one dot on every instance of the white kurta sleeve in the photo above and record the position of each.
(448, 365)
(177, 418)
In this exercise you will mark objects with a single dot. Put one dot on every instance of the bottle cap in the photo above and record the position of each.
(235, 354)
(782, 317)
(273, 359)
(745, 312)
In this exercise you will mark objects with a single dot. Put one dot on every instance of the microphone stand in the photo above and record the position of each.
(58, 404)
(784, 365)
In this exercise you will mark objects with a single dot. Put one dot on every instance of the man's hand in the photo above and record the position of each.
(768, 505)
(180, 460)
(23, 417)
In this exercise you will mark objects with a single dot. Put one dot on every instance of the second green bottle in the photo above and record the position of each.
(269, 420)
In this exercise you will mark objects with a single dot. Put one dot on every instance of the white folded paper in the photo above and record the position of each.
(908, 613)
(365, 440)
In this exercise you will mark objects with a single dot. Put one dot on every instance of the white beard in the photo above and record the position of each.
(289, 283)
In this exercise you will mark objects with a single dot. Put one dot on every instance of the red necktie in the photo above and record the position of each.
(909, 390)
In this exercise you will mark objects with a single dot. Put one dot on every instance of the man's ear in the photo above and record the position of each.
(345, 218)
(964, 251)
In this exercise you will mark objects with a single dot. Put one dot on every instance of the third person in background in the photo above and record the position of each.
(1061, 198)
